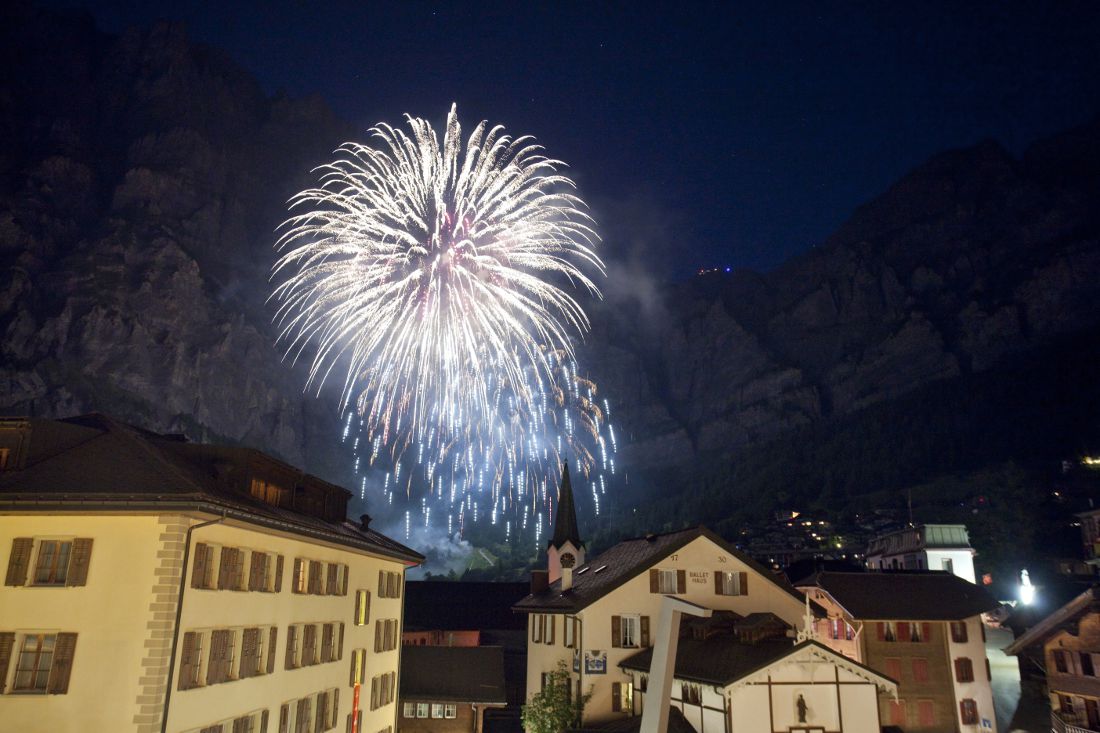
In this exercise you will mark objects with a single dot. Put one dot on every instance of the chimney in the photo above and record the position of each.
(364, 521)
(566, 578)
(540, 581)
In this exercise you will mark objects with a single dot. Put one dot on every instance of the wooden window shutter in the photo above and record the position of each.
(20, 560)
(880, 630)
(551, 624)
(7, 643)
(309, 645)
(63, 664)
(219, 646)
(327, 632)
(250, 646)
(358, 607)
(718, 578)
(616, 697)
(272, 639)
(319, 715)
(301, 719)
(284, 718)
(654, 581)
(616, 631)
(256, 571)
(354, 668)
(743, 581)
(645, 631)
(291, 642)
(225, 568)
(331, 586)
(315, 581)
(278, 573)
(903, 631)
(681, 581)
(344, 581)
(198, 568)
(378, 635)
(263, 721)
(340, 641)
(926, 632)
(381, 584)
(335, 710)
(188, 660)
(79, 560)
(374, 693)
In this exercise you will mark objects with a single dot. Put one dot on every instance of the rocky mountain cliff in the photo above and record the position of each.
(142, 177)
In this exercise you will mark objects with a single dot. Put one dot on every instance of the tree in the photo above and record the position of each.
(553, 709)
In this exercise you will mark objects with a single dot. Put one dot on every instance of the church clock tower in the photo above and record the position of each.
(566, 551)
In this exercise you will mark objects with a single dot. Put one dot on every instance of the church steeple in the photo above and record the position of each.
(566, 550)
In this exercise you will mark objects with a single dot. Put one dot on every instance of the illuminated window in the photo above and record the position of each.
(52, 567)
(32, 670)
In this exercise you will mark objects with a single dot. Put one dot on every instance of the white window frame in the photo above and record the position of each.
(630, 630)
(731, 583)
(568, 631)
(35, 555)
(437, 710)
(408, 710)
(667, 581)
(17, 652)
(450, 711)
(422, 710)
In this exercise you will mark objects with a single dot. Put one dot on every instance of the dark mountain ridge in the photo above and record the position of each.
(142, 177)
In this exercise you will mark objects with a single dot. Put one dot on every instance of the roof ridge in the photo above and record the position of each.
(143, 444)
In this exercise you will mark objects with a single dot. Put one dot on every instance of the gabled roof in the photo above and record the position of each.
(565, 523)
(93, 462)
(626, 560)
(1087, 602)
(462, 606)
(723, 660)
(472, 674)
(931, 595)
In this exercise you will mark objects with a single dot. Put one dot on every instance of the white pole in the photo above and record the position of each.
(662, 668)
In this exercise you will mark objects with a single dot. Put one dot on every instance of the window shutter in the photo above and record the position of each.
(79, 561)
(681, 581)
(301, 718)
(7, 643)
(250, 644)
(354, 668)
(330, 585)
(188, 659)
(381, 584)
(62, 666)
(257, 569)
(340, 641)
(263, 721)
(358, 607)
(272, 638)
(217, 653)
(926, 632)
(366, 611)
(616, 697)
(645, 631)
(20, 560)
(374, 693)
(344, 580)
(278, 573)
(718, 582)
(654, 581)
(616, 631)
(198, 568)
(880, 630)
(284, 718)
(315, 581)
(988, 670)
(551, 624)
(309, 645)
(291, 642)
(326, 643)
(378, 635)
(903, 631)
(225, 568)
(743, 579)
(322, 707)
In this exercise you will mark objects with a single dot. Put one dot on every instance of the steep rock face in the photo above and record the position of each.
(971, 258)
(142, 179)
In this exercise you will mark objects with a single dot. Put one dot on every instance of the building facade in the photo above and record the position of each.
(924, 547)
(923, 630)
(601, 610)
(153, 584)
(450, 689)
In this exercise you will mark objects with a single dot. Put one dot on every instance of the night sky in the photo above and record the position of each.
(702, 135)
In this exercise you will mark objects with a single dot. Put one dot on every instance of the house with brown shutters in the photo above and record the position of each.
(156, 584)
(920, 628)
(1066, 645)
(599, 611)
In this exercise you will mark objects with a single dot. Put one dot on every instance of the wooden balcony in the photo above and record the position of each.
(1068, 724)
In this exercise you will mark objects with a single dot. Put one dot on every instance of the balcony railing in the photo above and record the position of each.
(1060, 723)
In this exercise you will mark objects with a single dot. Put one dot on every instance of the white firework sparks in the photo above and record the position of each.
(432, 279)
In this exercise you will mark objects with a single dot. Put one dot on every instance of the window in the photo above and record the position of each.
(629, 636)
(389, 584)
(887, 631)
(5, 455)
(958, 632)
(964, 670)
(1087, 668)
(32, 669)
(897, 712)
(536, 627)
(422, 710)
(408, 710)
(666, 581)
(450, 710)
(299, 575)
(382, 689)
(968, 711)
(268, 492)
(691, 693)
(947, 564)
(362, 607)
(916, 632)
(1060, 661)
(52, 567)
(622, 697)
(731, 584)
(231, 569)
(314, 713)
(570, 631)
(920, 670)
(893, 668)
(926, 713)
(385, 634)
(437, 710)
(643, 683)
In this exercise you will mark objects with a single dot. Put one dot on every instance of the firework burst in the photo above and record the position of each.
(432, 280)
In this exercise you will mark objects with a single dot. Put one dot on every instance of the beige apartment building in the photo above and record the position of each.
(597, 612)
(152, 584)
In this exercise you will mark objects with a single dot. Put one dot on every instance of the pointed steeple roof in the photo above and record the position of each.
(565, 524)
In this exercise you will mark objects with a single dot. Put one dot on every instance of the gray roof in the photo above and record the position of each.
(610, 569)
(931, 595)
(723, 660)
(453, 674)
(1059, 620)
(93, 462)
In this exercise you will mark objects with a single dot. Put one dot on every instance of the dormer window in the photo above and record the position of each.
(268, 492)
